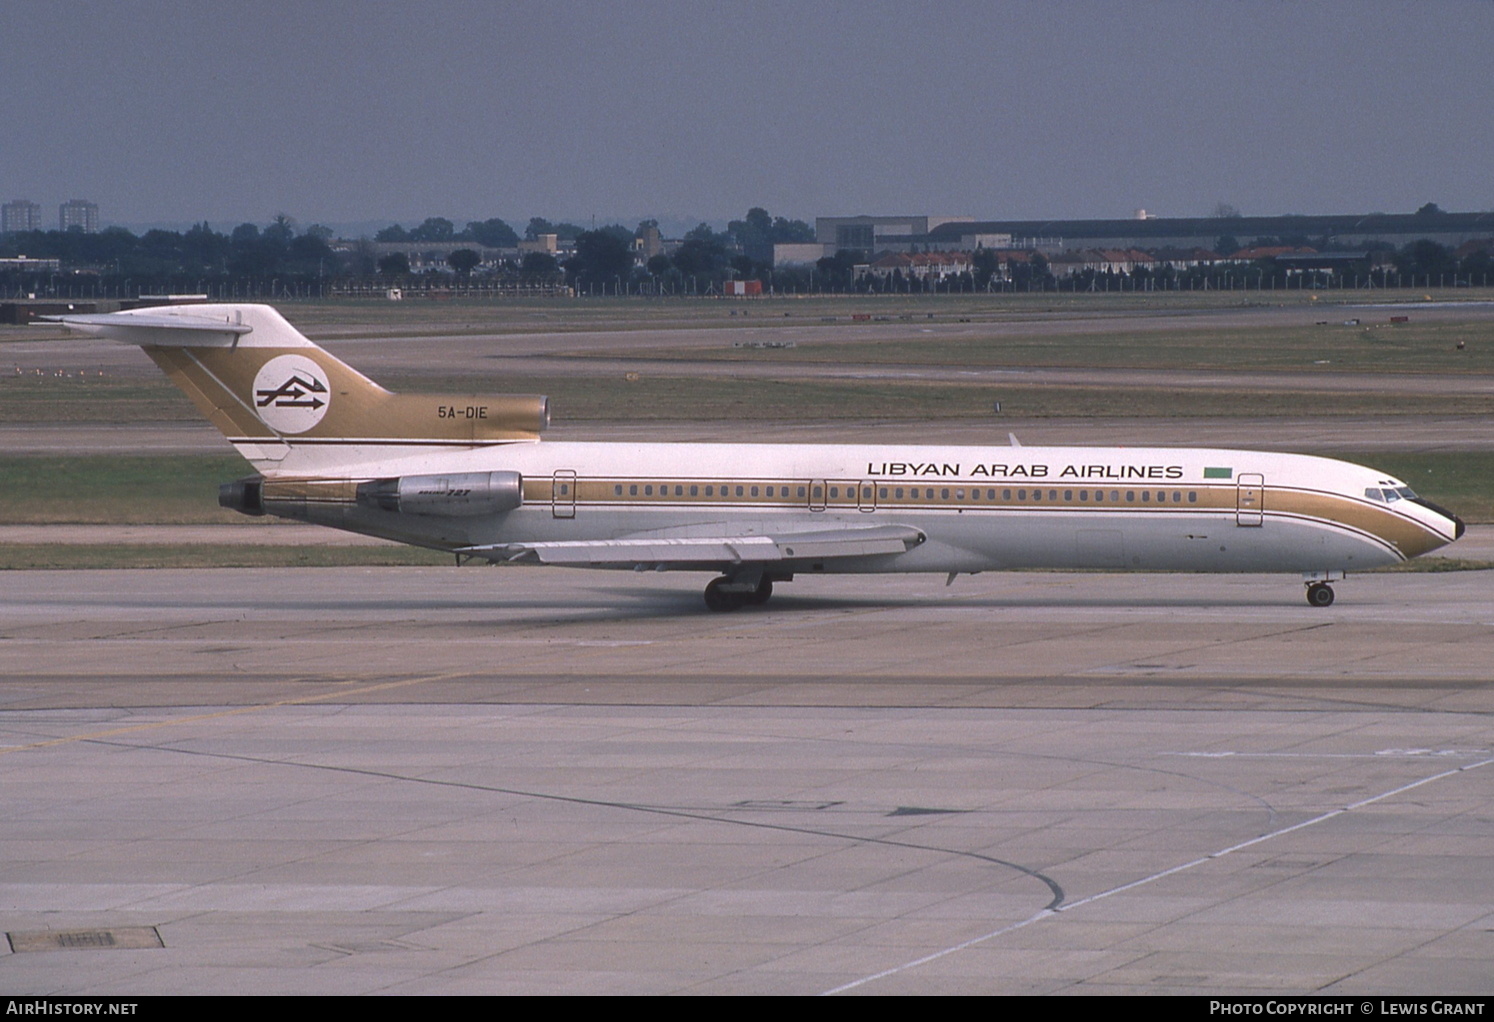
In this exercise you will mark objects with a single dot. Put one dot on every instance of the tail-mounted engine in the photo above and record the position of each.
(463, 494)
(247, 495)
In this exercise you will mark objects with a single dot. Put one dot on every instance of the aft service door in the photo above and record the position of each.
(1250, 499)
(563, 493)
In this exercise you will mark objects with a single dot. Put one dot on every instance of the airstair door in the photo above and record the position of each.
(563, 493)
(817, 492)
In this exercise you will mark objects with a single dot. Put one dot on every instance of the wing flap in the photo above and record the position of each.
(707, 550)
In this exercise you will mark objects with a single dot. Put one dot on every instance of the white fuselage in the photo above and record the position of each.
(981, 508)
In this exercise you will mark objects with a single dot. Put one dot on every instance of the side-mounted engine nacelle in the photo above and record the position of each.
(458, 494)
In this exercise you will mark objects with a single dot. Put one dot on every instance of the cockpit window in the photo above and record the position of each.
(1391, 496)
(1373, 493)
(1407, 492)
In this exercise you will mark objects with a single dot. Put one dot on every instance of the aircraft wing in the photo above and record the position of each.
(647, 551)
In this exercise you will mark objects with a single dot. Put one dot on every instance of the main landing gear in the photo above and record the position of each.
(1319, 594)
(726, 593)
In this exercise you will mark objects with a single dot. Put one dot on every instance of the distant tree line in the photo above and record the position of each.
(603, 260)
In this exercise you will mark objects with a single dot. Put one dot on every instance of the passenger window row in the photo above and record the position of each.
(925, 493)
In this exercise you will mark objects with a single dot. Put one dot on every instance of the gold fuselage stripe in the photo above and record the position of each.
(1375, 522)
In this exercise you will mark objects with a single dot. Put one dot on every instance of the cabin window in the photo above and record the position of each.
(1006, 494)
(1115, 496)
(617, 491)
(633, 490)
(1037, 494)
(819, 493)
(695, 491)
(1130, 496)
(898, 493)
(1099, 496)
(959, 494)
(648, 490)
(1177, 497)
(1161, 497)
(1146, 496)
(739, 491)
(1052, 494)
(975, 495)
(754, 491)
(1193, 496)
(801, 491)
(882, 493)
(834, 492)
(1084, 495)
(1068, 496)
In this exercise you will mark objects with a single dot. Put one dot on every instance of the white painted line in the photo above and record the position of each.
(1049, 913)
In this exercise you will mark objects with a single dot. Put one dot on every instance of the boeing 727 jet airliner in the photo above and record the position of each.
(468, 474)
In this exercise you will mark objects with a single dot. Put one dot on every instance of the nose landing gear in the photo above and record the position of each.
(1320, 594)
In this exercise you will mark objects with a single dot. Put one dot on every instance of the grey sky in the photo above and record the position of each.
(342, 111)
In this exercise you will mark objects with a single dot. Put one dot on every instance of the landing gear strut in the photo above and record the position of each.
(725, 593)
(1320, 594)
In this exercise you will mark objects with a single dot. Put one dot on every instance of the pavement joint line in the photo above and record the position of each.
(1050, 912)
(236, 711)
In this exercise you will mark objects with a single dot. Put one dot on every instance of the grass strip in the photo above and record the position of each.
(107, 489)
(36, 556)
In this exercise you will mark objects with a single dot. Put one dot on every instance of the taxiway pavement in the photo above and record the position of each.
(487, 780)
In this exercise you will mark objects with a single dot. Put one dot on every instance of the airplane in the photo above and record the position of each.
(469, 475)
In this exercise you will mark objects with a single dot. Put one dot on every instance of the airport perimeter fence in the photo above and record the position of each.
(59, 287)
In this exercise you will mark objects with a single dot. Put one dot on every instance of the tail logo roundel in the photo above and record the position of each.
(291, 393)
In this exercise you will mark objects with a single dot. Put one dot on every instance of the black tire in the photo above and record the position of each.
(719, 602)
(763, 595)
(1320, 595)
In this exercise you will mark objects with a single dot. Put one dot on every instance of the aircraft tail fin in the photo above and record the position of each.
(285, 403)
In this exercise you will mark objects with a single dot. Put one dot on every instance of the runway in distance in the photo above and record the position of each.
(468, 474)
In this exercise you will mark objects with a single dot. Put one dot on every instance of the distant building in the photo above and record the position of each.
(799, 253)
(79, 213)
(1340, 231)
(548, 244)
(878, 233)
(647, 243)
(922, 265)
(20, 215)
(27, 265)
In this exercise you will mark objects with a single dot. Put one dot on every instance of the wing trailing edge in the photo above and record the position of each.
(645, 551)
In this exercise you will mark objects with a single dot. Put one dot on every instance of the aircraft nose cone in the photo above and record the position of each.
(1458, 527)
